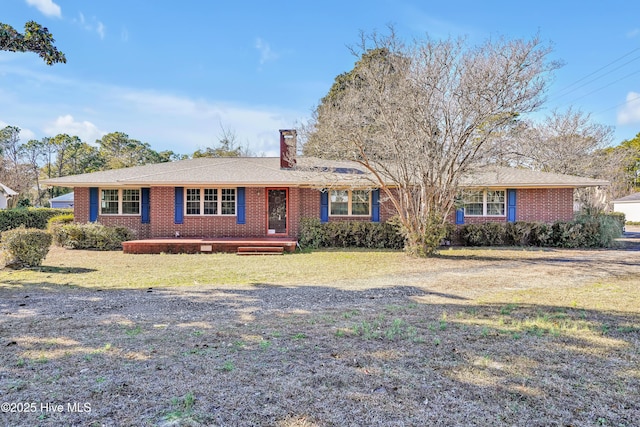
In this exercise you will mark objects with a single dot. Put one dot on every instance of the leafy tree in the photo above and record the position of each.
(631, 163)
(117, 150)
(36, 38)
(418, 116)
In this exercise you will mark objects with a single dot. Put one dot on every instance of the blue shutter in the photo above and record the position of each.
(375, 205)
(324, 206)
(145, 206)
(460, 216)
(511, 205)
(179, 205)
(93, 204)
(241, 217)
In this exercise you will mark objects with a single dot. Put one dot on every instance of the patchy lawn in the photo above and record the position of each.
(472, 337)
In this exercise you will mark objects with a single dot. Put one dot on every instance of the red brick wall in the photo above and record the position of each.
(303, 202)
(544, 204)
(163, 221)
(532, 205)
(81, 205)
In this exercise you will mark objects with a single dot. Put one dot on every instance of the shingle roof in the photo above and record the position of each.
(266, 171)
(64, 198)
(493, 176)
(635, 197)
(6, 190)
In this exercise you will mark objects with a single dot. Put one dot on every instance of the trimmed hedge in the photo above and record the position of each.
(28, 217)
(350, 234)
(584, 232)
(91, 236)
(27, 247)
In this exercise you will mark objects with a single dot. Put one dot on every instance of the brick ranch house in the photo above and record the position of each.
(266, 197)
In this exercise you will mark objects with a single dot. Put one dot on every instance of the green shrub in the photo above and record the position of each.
(26, 247)
(541, 234)
(92, 236)
(567, 234)
(618, 216)
(494, 233)
(350, 234)
(28, 217)
(58, 221)
(600, 231)
(472, 235)
(518, 233)
(585, 231)
(310, 233)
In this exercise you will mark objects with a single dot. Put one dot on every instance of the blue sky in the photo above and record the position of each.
(173, 73)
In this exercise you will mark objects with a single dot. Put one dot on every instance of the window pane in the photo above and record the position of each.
(131, 202)
(109, 202)
(495, 202)
(228, 201)
(360, 202)
(474, 201)
(193, 201)
(339, 202)
(210, 201)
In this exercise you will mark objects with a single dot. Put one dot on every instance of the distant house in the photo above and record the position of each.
(5, 195)
(62, 202)
(267, 197)
(629, 206)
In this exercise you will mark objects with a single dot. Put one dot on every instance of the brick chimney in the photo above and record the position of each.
(287, 148)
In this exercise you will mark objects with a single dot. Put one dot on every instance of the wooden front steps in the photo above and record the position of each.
(194, 245)
(260, 250)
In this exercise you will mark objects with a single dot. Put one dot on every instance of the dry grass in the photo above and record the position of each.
(473, 337)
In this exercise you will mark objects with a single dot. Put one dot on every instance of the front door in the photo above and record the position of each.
(277, 211)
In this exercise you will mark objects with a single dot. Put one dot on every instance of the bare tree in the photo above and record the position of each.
(418, 117)
(567, 142)
(33, 153)
(228, 146)
(564, 142)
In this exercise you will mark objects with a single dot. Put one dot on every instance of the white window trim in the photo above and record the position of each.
(120, 202)
(350, 203)
(219, 201)
(484, 204)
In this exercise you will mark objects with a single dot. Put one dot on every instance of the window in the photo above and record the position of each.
(115, 201)
(210, 201)
(495, 203)
(350, 202)
(485, 203)
(193, 201)
(130, 202)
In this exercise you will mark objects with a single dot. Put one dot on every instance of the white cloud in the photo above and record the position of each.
(87, 131)
(183, 125)
(46, 7)
(630, 112)
(266, 54)
(100, 30)
(93, 26)
(633, 33)
(164, 120)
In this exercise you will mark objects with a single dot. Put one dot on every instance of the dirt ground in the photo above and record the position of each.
(522, 341)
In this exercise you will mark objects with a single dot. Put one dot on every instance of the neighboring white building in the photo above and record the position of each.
(5, 194)
(629, 206)
(64, 201)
